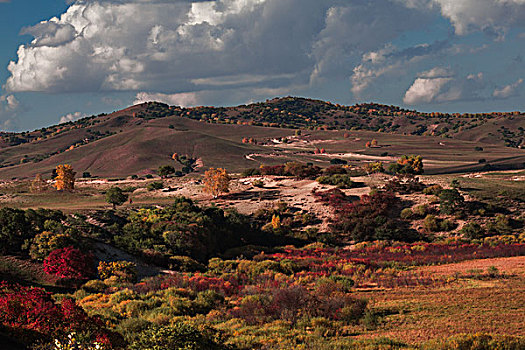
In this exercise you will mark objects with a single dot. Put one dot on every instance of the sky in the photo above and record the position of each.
(61, 60)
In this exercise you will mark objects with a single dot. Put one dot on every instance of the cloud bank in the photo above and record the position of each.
(194, 52)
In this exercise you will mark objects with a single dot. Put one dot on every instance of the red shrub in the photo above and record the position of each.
(33, 309)
(70, 263)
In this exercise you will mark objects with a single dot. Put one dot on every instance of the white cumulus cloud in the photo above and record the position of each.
(508, 90)
(492, 16)
(70, 117)
(189, 46)
(9, 109)
(439, 85)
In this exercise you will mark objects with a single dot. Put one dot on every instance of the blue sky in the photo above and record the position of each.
(61, 60)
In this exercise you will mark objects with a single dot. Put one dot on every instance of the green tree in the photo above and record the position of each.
(450, 201)
(165, 170)
(115, 196)
(14, 229)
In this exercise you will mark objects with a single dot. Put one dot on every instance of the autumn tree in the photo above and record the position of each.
(115, 196)
(374, 167)
(38, 184)
(216, 181)
(407, 165)
(65, 179)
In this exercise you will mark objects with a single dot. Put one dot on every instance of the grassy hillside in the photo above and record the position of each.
(140, 138)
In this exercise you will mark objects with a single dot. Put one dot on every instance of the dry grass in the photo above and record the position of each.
(463, 306)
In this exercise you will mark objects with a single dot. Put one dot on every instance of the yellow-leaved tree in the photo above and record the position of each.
(216, 181)
(65, 180)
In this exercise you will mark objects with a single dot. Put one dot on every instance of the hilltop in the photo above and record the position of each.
(138, 139)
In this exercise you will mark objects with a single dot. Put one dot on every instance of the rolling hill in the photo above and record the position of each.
(138, 139)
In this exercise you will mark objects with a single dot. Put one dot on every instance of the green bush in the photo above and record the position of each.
(434, 190)
(421, 210)
(339, 180)
(156, 185)
(185, 264)
(406, 214)
(472, 230)
(431, 224)
(180, 336)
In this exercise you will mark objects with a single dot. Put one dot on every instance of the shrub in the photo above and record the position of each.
(44, 243)
(433, 190)
(421, 210)
(125, 271)
(250, 172)
(156, 185)
(374, 167)
(258, 183)
(406, 214)
(69, 263)
(430, 223)
(186, 264)
(338, 180)
(373, 217)
(178, 336)
(500, 226)
(472, 230)
(33, 309)
(335, 169)
(447, 225)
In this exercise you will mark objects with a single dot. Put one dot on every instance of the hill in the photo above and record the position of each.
(140, 138)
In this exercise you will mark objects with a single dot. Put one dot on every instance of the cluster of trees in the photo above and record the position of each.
(185, 229)
(373, 217)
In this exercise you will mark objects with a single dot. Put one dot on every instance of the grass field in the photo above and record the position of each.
(468, 305)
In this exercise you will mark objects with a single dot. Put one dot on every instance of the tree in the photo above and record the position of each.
(165, 170)
(115, 196)
(374, 167)
(449, 201)
(407, 165)
(14, 230)
(38, 184)
(216, 181)
(65, 179)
